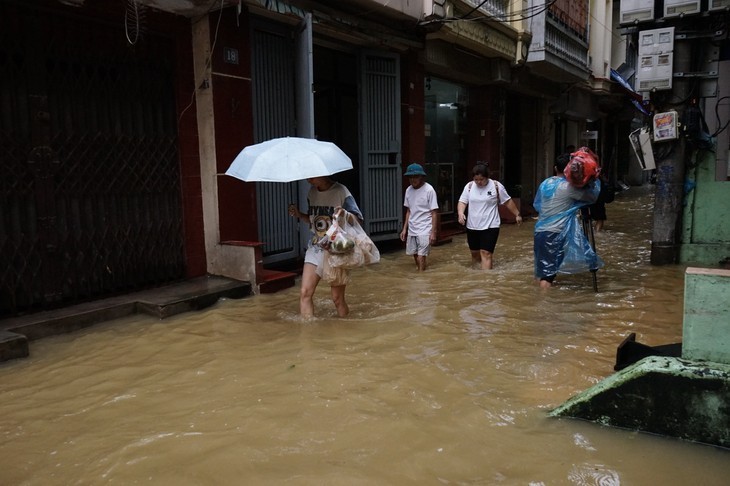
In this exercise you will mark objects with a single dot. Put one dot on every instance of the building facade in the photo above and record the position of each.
(116, 139)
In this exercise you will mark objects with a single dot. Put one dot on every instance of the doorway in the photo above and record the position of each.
(446, 106)
(336, 108)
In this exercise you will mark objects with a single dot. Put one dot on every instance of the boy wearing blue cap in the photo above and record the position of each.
(419, 225)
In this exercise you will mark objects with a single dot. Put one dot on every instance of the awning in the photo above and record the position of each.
(636, 99)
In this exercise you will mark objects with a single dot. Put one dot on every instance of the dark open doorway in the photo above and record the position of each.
(336, 107)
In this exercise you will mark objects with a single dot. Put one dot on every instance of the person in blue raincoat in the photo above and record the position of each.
(560, 244)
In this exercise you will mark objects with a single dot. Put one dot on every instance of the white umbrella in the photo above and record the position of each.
(288, 159)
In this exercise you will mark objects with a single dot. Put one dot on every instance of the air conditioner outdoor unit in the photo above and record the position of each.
(634, 11)
(678, 8)
(718, 5)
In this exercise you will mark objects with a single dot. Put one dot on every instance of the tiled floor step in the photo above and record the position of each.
(271, 281)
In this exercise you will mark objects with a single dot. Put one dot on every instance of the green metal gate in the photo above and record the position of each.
(90, 198)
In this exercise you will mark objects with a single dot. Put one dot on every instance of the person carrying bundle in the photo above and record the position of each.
(560, 245)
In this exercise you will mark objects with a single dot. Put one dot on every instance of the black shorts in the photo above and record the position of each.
(598, 212)
(482, 239)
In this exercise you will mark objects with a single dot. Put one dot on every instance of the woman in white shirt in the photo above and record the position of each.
(483, 196)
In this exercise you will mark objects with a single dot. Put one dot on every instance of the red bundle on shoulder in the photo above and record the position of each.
(582, 168)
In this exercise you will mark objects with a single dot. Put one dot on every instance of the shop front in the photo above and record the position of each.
(446, 105)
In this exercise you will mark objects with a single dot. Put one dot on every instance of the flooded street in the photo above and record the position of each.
(443, 377)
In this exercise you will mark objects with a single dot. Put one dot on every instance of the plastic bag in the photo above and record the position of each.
(582, 168)
(363, 252)
(579, 256)
(351, 259)
(336, 240)
(334, 276)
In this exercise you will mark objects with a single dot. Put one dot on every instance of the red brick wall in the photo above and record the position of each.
(572, 14)
(233, 118)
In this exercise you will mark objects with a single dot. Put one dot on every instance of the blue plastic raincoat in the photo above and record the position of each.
(561, 245)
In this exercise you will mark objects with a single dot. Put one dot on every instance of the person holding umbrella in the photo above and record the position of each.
(289, 159)
(326, 198)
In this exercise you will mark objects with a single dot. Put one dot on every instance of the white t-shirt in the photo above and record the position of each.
(483, 204)
(420, 202)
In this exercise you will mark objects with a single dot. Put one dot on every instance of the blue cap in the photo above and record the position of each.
(415, 169)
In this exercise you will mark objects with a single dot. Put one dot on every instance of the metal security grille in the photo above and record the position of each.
(274, 116)
(90, 199)
(380, 99)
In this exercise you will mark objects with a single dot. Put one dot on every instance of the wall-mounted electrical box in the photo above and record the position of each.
(665, 126)
(679, 8)
(656, 59)
(641, 143)
(635, 11)
(714, 5)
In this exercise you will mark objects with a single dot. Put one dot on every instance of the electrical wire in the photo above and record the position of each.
(208, 61)
(717, 116)
(523, 14)
(474, 9)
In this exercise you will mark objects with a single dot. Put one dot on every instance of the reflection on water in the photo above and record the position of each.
(443, 377)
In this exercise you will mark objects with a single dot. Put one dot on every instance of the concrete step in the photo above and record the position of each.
(175, 300)
(161, 302)
(13, 346)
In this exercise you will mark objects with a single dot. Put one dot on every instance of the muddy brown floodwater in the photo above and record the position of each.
(444, 377)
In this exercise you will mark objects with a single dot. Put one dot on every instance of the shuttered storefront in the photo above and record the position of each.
(90, 199)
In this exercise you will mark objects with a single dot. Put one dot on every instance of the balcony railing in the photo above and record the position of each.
(495, 8)
(559, 47)
(565, 45)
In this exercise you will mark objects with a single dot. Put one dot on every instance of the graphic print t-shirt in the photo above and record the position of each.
(321, 206)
